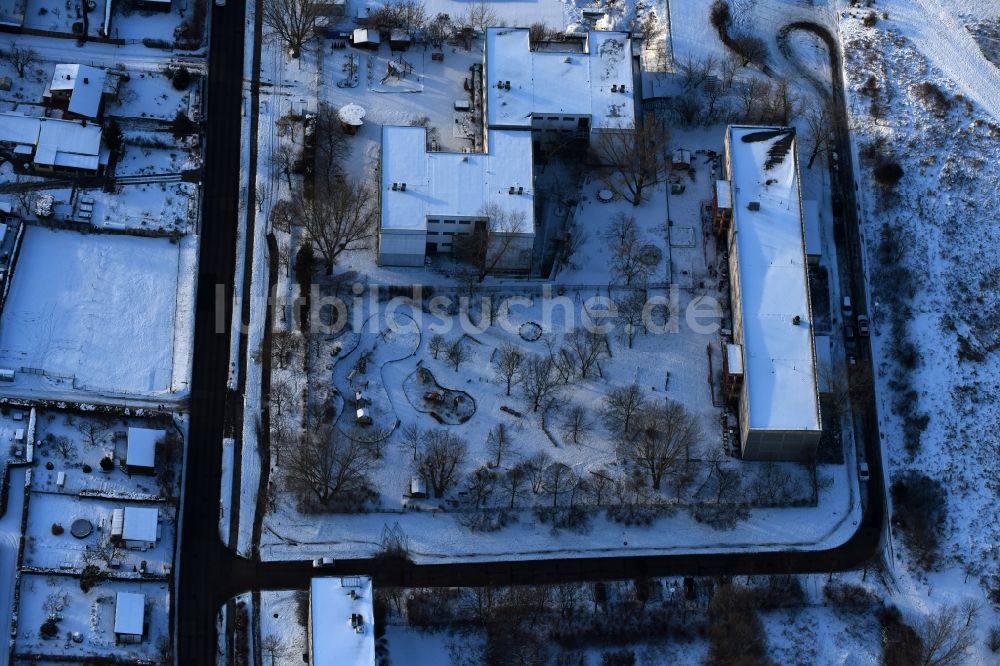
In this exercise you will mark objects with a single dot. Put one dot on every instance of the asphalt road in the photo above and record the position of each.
(204, 564)
(209, 573)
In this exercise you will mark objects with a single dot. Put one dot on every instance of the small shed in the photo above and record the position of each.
(130, 617)
(140, 455)
(681, 159)
(363, 418)
(366, 38)
(418, 488)
(399, 40)
(140, 526)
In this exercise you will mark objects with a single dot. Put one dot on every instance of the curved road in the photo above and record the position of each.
(209, 573)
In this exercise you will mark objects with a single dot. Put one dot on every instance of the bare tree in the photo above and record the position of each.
(589, 347)
(443, 453)
(512, 483)
(412, 439)
(727, 70)
(292, 21)
(20, 59)
(534, 468)
(753, 97)
(634, 158)
(751, 48)
(819, 124)
(284, 344)
(506, 363)
(539, 32)
(626, 241)
(94, 431)
(327, 463)
(946, 638)
(62, 445)
(479, 16)
(538, 378)
(494, 238)
(620, 406)
(281, 397)
(275, 648)
(694, 72)
(479, 486)
(500, 444)
(283, 161)
(457, 354)
(339, 217)
(630, 312)
(105, 550)
(575, 424)
(661, 437)
(331, 142)
(557, 479)
(439, 29)
(437, 344)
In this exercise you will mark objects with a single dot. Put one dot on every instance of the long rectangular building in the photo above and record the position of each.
(772, 313)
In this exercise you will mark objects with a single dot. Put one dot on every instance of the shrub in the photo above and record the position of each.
(89, 577)
(107, 464)
(993, 639)
(870, 19)
(888, 174)
(87, 469)
(920, 509)
(49, 628)
(719, 15)
(182, 126)
(847, 596)
(181, 78)
(57, 529)
(901, 645)
(933, 97)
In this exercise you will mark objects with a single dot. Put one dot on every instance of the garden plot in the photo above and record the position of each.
(151, 95)
(92, 614)
(164, 207)
(63, 551)
(283, 635)
(131, 23)
(75, 445)
(24, 90)
(95, 313)
(57, 16)
(154, 153)
(15, 425)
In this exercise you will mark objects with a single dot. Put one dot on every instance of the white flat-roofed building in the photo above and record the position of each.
(556, 91)
(429, 198)
(140, 527)
(341, 626)
(130, 617)
(772, 314)
(140, 454)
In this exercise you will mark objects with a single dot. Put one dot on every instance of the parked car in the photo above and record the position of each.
(852, 360)
(849, 335)
(846, 308)
(864, 325)
(863, 472)
(323, 562)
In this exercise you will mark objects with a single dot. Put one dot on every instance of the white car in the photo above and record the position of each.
(863, 472)
(220, 3)
(322, 562)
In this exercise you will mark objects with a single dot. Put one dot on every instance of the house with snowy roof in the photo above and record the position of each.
(51, 144)
(81, 91)
(771, 366)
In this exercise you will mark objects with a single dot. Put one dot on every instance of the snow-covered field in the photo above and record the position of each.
(86, 314)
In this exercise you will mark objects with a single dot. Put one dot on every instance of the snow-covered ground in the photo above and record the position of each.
(10, 533)
(103, 321)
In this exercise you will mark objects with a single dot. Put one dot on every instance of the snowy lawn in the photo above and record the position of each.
(103, 321)
(284, 639)
(90, 613)
(153, 153)
(151, 95)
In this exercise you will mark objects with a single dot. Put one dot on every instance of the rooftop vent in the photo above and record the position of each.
(395, 186)
(520, 190)
(506, 85)
(614, 87)
(511, 190)
(86, 80)
(402, 187)
(568, 60)
(621, 87)
(796, 320)
(754, 205)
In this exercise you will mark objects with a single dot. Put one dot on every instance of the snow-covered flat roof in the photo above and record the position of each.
(141, 450)
(335, 642)
(453, 184)
(814, 233)
(779, 363)
(140, 524)
(723, 194)
(555, 82)
(86, 85)
(130, 612)
(18, 128)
